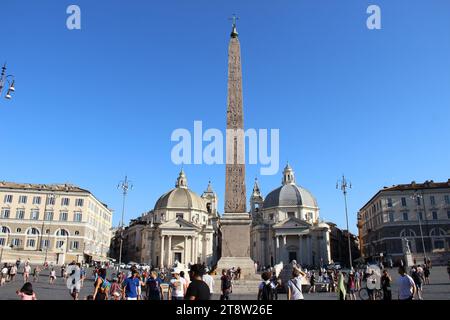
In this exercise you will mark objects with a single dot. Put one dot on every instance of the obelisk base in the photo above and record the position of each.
(235, 229)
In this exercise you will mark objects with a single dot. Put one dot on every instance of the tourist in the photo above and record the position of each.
(406, 285)
(153, 287)
(4, 275)
(198, 289)
(226, 285)
(238, 273)
(418, 281)
(26, 272)
(116, 289)
(426, 274)
(185, 279)
(265, 290)
(357, 280)
(27, 293)
(351, 286)
(131, 285)
(312, 282)
(341, 289)
(294, 286)
(63, 271)
(177, 288)
(82, 276)
(275, 284)
(36, 272)
(18, 263)
(52, 277)
(386, 285)
(101, 286)
(209, 280)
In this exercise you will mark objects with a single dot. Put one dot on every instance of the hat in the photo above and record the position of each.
(176, 271)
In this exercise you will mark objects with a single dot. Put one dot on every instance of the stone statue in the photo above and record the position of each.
(407, 247)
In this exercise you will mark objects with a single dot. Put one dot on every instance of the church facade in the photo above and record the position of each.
(286, 226)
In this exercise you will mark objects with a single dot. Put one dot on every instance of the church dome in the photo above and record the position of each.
(289, 194)
(181, 197)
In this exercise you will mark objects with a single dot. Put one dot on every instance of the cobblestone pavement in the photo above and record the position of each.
(439, 288)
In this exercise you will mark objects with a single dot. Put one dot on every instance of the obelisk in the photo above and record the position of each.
(236, 221)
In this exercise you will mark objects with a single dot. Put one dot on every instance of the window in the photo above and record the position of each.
(180, 215)
(48, 216)
(62, 232)
(391, 217)
(5, 213)
(79, 202)
(18, 230)
(36, 200)
(45, 243)
(47, 231)
(33, 231)
(4, 230)
(34, 214)
(448, 214)
(77, 217)
(77, 233)
(20, 214)
(74, 245)
(432, 200)
(51, 200)
(15, 242)
(420, 216)
(31, 243)
(447, 199)
(403, 202)
(389, 202)
(418, 201)
(2, 242)
(59, 244)
(65, 201)
(291, 214)
(435, 215)
(22, 199)
(8, 198)
(405, 216)
(63, 216)
(271, 217)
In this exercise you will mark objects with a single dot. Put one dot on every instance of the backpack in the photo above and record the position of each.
(267, 292)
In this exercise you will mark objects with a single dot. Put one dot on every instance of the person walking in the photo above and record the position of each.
(130, 285)
(26, 273)
(116, 289)
(177, 288)
(265, 292)
(4, 274)
(153, 287)
(312, 282)
(12, 273)
(101, 286)
(351, 286)
(225, 285)
(406, 285)
(209, 280)
(340, 288)
(198, 289)
(52, 277)
(415, 275)
(386, 281)
(36, 272)
(26, 293)
(295, 285)
(426, 274)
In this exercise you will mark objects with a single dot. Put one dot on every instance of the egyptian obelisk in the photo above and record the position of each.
(235, 222)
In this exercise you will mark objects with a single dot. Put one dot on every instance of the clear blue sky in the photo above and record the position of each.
(96, 104)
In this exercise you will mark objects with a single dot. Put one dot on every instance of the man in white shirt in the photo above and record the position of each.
(177, 286)
(406, 285)
(209, 280)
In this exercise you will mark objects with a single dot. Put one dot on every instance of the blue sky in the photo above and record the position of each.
(95, 104)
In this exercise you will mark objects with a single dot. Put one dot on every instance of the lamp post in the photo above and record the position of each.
(343, 185)
(52, 197)
(7, 79)
(416, 196)
(124, 185)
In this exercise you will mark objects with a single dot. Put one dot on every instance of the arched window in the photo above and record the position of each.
(62, 232)
(407, 233)
(436, 232)
(4, 229)
(32, 231)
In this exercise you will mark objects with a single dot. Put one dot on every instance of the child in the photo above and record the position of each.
(26, 293)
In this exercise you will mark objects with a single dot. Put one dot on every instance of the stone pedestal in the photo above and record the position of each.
(236, 244)
(409, 259)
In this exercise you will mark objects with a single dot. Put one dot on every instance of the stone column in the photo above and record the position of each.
(161, 256)
(169, 252)
(300, 258)
(185, 260)
(277, 250)
(285, 252)
(192, 250)
(309, 250)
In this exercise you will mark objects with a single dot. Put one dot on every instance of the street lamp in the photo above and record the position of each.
(124, 185)
(343, 185)
(7, 79)
(416, 196)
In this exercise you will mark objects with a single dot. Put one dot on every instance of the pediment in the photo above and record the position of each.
(178, 223)
(292, 223)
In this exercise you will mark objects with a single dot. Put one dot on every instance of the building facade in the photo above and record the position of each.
(182, 226)
(418, 212)
(57, 223)
(339, 245)
(286, 226)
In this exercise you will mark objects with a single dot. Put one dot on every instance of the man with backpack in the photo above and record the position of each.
(266, 288)
(225, 285)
